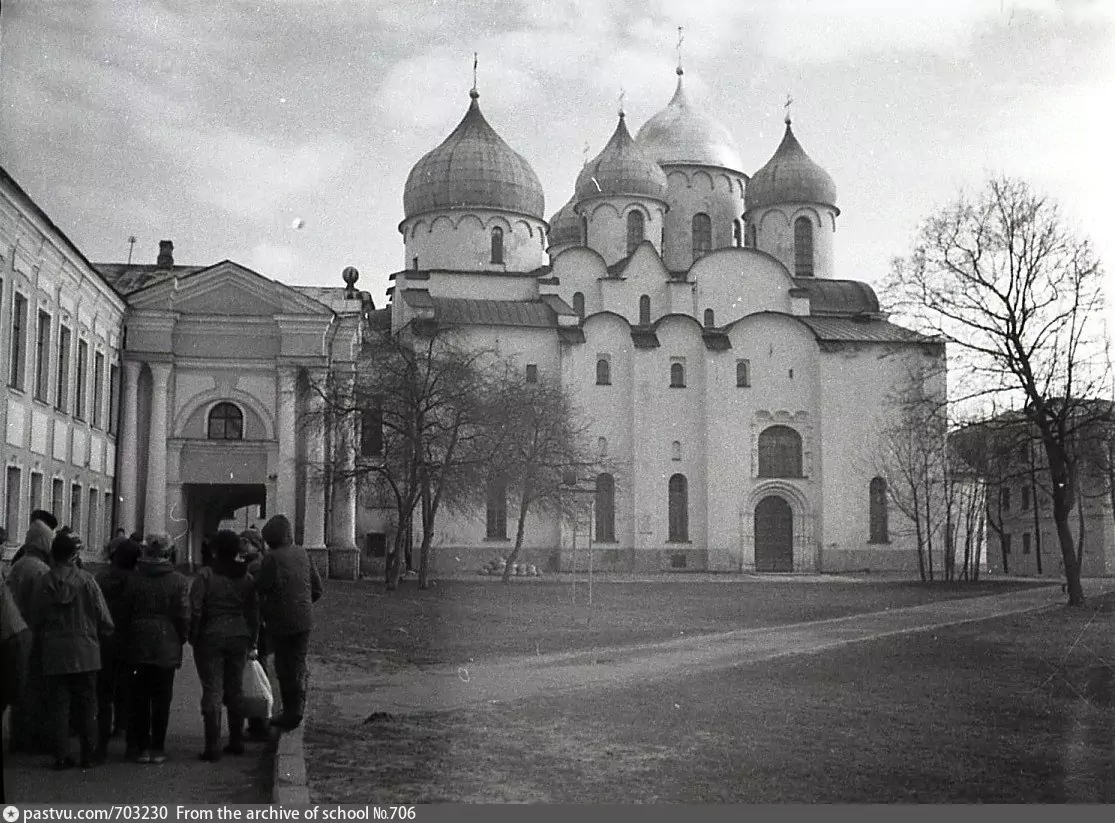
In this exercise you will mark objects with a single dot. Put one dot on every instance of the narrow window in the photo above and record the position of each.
(1004, 498)
(1024, 453)
(737, 234)
(1004, 541)
(743, 374)
(636, 228)
(710, 319)
(751, 236)
(677, 375)
(780, 452)
(702, 235)
(877, 492)
(19, 344)
(803, 247)
(36, 500)
(113, 397)
(602, 446)
(42, 363)
(678, 509)
(415, 263)
(371, 432)
(675, 449)
(644, 310)
(98, 389)
(106, 515)
(579, 304)
(532, 373)
(497, 509)
(1025, 542)
(603, 372)
(81, 387)
(497, 245)
(91, 519)
(75, 507)
(11, 504)
(584, 230)
(226, 422)
(605, 508)
(62, 397)
(1025, 502)
(58, 495)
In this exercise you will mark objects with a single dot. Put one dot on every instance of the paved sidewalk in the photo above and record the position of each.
(183, 778)
(492, 681)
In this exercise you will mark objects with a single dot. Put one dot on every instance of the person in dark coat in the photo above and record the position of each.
(114, 679)
(158, 625)
(224, 622)
(69, 615)
(29, 732)
(15, 646)
(251, 551)
(288, 585)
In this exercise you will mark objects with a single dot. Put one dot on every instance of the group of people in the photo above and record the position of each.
(97, 656)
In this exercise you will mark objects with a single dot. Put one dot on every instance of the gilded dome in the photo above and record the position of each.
(790, 176)
(622, 168)
(473, 168)
(565, 226)
(682, 134)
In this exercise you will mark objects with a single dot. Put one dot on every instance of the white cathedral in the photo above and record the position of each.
(736, 386)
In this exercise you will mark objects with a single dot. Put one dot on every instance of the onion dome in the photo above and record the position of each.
(565, 226)
(682, 134)
(790, 176)
(622, 168)
(473, 168)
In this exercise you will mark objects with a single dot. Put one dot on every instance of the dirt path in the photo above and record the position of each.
(495, 681)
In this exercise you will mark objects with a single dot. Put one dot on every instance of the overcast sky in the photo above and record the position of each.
(217, 124)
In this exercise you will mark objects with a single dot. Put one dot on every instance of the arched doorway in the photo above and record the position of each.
(774, 535)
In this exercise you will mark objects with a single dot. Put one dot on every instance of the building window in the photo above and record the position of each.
(579, 304)
(877, 492)
(636, 228)
(532, 373)
(644, 310)
(106, 516)
(584, 230)
(58, 495)
(80, 387)
(602, 446)
(226, 422)
(675, 450)
(750, 236)
(98, 389)
(1024, 453)
(1004, 543)
(678, 509)
(677, 375)
(780, 452)
(497, 245)
(1025, 501)
(36, 499)
(16, 373)
(605, 508)
(603, 371)
(42, 352)
(1004, 498)
(803, 247)
(737, 234)
(62, 398)
(92, 538)
(75, 507)
(11, 503)
(1025, 542)
(702, 235)
(710, 319)
(113, 398)
(743, 374)
(371, 432)
(497, 509)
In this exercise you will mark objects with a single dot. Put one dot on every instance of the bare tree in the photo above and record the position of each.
(1019, 296)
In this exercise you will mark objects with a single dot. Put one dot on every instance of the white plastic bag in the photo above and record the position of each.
(257, 699)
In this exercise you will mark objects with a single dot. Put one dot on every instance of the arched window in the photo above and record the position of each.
(702, 235)
(803, 247)
(675, 450)
(636, 226)
(497, 509)
(677, 375)
(737, 234)
(751, 236)
(605, 509)
(603, 372)
(644, 310)
(584, 230)
(579, 304)
(602, 446)
(780, 452)
(497, 245)
(743, 374)
(226, 422)
(679, 509)
(877, 492)
(710, 319)
(371, 432)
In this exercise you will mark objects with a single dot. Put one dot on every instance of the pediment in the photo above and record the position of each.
(226, 289)
(646, 264)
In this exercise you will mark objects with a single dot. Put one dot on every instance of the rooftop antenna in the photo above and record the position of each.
(475, 62)
(681, 39)
(786, 106)
(131, 247)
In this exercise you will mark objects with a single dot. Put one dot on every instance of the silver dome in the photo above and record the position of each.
(682, 134)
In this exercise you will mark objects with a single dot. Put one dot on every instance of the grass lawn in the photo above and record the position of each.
(1017, 709)
(359, 625)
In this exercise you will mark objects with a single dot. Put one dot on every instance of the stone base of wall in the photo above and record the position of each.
(344, 562)
(871, 560)
(320, 559)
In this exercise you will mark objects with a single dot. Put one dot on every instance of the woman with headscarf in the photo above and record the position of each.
(114, 679)
(224, 621)
(251, 550)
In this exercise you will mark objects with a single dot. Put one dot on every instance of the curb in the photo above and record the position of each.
(288, 784)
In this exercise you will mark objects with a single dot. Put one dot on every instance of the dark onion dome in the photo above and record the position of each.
(682, 134)
(473, 168)
(565, 226)
(790, 176)
(622, 168)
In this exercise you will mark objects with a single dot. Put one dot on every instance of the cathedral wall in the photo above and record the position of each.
(775, 235)
(607, 224)
(737, 282)
(480, 286)
(463, 240)
(692, 189)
